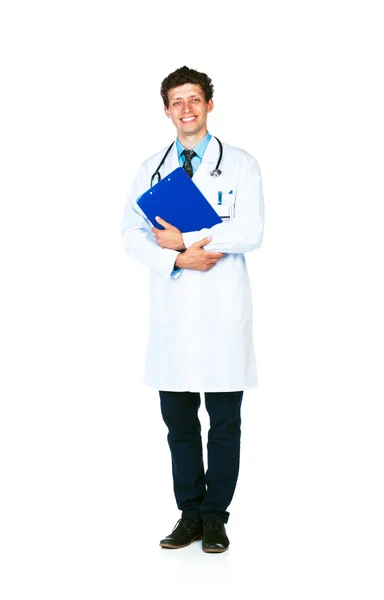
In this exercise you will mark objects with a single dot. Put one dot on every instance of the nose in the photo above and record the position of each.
(187, 107)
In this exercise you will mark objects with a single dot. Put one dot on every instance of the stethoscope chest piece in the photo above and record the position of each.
(215, 173)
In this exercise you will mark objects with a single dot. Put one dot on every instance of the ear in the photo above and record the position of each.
(210, 105)
(166, 110)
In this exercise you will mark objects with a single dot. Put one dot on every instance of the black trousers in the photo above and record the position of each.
(199, 493)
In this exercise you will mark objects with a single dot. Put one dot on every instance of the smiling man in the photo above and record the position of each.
(187, 107)
(201, 330)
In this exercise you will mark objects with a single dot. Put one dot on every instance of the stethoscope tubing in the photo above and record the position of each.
(215, 173)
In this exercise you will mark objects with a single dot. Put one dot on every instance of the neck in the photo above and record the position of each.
(190, 141)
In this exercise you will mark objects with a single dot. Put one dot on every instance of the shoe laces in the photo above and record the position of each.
(214, 524)
(188, 523)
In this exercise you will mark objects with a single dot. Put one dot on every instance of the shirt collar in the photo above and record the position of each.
(200, 148)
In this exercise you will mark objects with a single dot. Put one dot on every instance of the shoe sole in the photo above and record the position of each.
(214, 551)
(173, 547)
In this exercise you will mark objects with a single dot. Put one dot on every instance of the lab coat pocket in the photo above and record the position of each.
(225, 204)
(224, 211)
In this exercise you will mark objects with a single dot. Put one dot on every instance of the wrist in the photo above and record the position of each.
(179, 262)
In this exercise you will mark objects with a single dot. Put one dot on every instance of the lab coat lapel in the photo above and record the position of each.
(208, 163)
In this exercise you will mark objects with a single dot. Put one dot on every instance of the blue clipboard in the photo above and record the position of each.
(177, 200)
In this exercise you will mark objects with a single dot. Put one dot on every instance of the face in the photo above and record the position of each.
(188, 111)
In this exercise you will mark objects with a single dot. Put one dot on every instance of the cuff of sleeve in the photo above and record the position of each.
(168, 263)
(176, 273)
(193, 236)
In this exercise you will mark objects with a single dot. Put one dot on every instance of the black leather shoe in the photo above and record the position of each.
(214, 536)
(186, 531)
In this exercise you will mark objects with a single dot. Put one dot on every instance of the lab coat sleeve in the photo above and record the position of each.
(138, 240)
(244, 232)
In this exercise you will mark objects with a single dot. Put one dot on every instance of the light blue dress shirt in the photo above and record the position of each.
(200, 148)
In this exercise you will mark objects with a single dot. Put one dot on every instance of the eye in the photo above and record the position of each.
(196, 100)
(176, 103)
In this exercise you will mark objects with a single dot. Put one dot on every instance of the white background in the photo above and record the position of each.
(86, 488)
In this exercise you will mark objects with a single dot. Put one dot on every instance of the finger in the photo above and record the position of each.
(165, 224)
(202, 242)
(216, 260)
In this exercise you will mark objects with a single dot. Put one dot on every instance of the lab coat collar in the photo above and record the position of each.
(210, 156)
(172, 160)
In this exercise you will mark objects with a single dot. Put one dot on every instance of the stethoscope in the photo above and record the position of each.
(215, 173)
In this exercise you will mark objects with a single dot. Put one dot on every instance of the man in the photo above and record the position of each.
(200, 335)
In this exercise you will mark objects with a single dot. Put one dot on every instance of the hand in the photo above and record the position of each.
(170, 237)
(197, 259)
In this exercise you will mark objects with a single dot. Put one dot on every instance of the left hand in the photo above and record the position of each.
(170, 237)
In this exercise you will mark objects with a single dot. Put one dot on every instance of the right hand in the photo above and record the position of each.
(197, 259)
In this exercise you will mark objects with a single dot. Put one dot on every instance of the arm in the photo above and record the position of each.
(194, 257)
(244, 232)
(138, 241)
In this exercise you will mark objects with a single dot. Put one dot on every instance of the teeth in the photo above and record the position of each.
(188, 119)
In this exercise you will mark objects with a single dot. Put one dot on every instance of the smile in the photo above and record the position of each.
(188, 119)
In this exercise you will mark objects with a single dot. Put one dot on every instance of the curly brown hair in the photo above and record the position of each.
(186, 75)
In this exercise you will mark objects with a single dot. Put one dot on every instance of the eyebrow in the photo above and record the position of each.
(191, 96)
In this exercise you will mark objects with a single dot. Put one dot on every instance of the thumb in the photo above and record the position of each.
(202, 242)
(161, 222)
(164, 223)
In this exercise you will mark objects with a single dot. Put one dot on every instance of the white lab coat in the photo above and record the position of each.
(200, 331)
